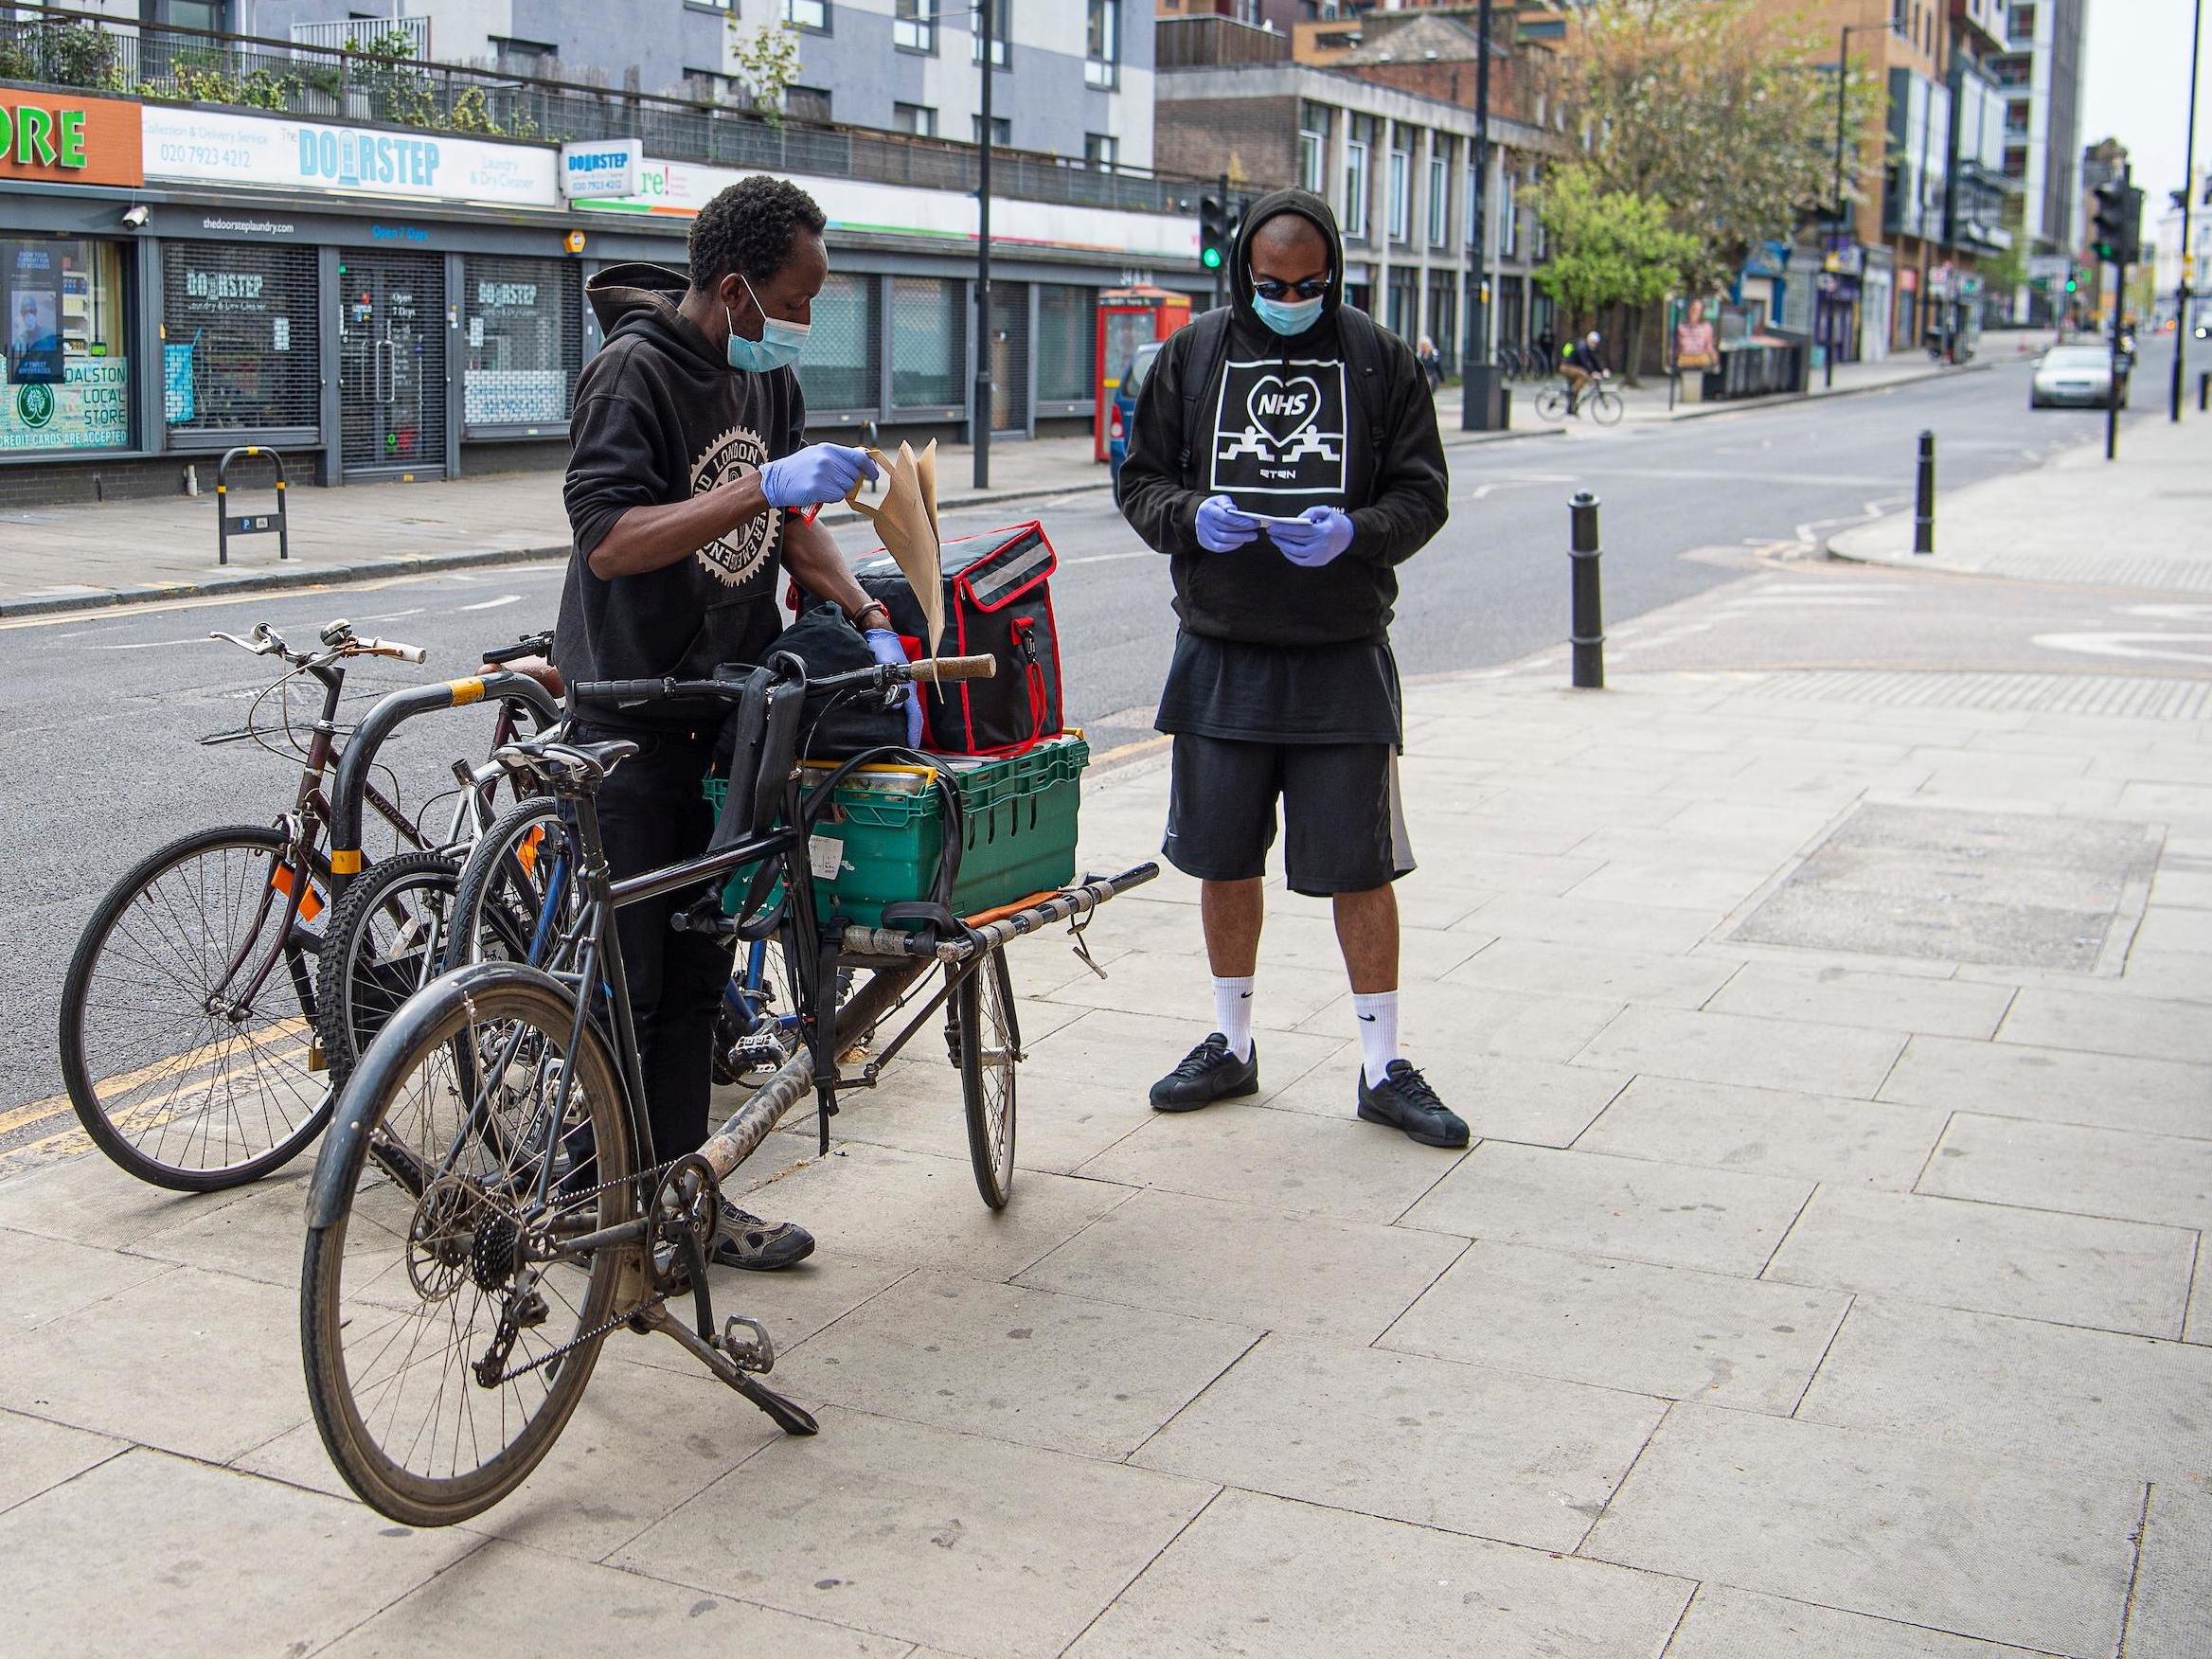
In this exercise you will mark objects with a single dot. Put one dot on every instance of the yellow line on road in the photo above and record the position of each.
(1131, 751)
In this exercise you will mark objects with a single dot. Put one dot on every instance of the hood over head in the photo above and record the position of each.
(641, 297)
(1306, 205)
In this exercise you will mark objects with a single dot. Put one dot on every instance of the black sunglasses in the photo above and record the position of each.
(1312, 288)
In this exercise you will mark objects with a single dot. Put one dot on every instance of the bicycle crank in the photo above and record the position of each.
(713, 1352)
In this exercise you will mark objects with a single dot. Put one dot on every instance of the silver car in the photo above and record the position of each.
(2078, 377)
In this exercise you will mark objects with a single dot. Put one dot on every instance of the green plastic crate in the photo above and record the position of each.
(1020, 826)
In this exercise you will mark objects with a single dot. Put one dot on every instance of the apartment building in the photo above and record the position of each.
(2039, 75)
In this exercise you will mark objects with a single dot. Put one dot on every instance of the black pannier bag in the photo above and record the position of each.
(998, 602)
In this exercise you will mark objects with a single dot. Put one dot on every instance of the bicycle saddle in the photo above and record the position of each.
(559, 759)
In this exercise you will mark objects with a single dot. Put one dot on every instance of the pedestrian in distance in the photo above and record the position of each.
(1286, 460)
(1584, 363)
(1432, 365)
(688, 453)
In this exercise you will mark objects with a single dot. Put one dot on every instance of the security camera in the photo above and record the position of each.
(136, 216)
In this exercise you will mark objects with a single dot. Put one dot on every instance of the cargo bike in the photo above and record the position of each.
(488, 1207)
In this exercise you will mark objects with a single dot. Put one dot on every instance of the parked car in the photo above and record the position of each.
(2078, 377)
(1124, 415)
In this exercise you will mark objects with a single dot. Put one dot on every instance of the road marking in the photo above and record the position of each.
(1129, 751)
(153, 644)
(266, 596)
(395, 616)
(2124, 645)
(1110, 558)
(494, 604)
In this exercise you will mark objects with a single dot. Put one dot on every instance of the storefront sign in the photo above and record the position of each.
(89, 409)
(220, 147)
(62, 140)
(606, 168)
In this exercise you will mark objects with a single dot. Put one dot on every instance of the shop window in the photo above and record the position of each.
(240, 349)
(1066, 342)
(66, 381)
(524, 341)
(929, 342)
(840, 367)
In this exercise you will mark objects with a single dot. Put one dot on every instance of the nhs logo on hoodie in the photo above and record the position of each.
(350, 160)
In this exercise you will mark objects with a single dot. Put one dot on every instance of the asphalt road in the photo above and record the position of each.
(99, 747)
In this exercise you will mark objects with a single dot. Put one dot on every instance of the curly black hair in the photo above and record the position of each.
(750, 229)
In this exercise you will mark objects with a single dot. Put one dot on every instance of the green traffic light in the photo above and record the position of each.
(2072, 286)
(1211, 259)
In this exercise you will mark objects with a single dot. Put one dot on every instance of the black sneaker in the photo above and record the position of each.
(1207, 1074)
(1405, 1100)
(743, 1239)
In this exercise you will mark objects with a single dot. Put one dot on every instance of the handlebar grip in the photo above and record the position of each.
(623, 690)
(529, 645)
(392, 647)
(960, 668)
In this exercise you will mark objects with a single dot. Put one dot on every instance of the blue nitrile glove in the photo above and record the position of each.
(885, 646)
(1221, 528)
(1314, 537)
(821, 472)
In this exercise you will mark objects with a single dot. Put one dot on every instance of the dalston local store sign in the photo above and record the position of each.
(58, 140)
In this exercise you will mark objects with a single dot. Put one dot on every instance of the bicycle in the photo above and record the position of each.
(186, 1032)
(1597, 399)
(489, 1206)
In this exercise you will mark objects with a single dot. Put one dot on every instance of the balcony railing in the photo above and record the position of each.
(81, 49)
(367, 34)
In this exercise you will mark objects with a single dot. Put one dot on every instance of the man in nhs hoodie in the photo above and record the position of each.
(1285, 458)
(689, 455)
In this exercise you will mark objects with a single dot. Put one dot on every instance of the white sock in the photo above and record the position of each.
(1233, 1013)
(1378, 1015)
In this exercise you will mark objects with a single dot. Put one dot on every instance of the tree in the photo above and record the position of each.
(1724, 109)
(766, 59)
(1609, 247)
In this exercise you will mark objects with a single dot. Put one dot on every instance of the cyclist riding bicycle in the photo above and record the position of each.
(1583, 364)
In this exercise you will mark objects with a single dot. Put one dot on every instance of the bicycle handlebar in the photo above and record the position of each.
(528, 645)
(387, 647)
(877, 675)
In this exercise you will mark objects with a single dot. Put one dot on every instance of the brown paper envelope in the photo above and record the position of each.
(905, 519)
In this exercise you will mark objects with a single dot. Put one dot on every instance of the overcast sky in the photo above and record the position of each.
(2137, 89)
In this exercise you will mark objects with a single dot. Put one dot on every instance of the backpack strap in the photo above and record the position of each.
(1362, 356)
(1208, 351)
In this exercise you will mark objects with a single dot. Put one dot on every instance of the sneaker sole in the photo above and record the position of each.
(1368, 1115)
(1236, 1094)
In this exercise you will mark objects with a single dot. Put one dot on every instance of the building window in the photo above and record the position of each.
(915, 120)
(711, 86)
(807, 103)
(1313, 148)
(1001, 131)
(535, 60)
(1440, 192)
(1473, 199)
(1101, 150)
(914, 26)
(66, 380)
(1508, 215)
(241, 352)
(929, 342)
(1400, 194)
(1001, 30)
(1102, 43)
(814, 15)
(1066, 351)
(841, 370)
(1355, 189)
(526, 340)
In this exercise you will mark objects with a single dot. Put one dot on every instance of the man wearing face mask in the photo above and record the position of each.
(688, 468)
(1285, 457)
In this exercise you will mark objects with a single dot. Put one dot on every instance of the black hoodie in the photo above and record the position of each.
(1251, 445)
(661, 415)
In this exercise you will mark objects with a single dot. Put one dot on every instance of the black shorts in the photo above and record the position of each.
(1346, 828)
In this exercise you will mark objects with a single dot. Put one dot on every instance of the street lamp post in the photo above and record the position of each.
(1837, 217)
(1478, 383)
(983, 265)
(2181, 326)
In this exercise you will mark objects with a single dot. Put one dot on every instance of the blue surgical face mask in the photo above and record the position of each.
(1288, 317)
(780, 343)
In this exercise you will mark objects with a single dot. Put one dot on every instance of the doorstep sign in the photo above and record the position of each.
(601, 168)
(57, 138)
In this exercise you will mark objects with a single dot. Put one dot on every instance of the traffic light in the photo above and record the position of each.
(2119, 221)
(2073, 282)
(1214, 232)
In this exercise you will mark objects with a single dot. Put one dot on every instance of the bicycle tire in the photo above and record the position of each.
(441, 1267)
(104, 1105)
(1551, 404)
(499, 894)
(1605, 406)
(360, 979)
(983, 1010)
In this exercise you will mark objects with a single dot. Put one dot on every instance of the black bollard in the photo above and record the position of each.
(1924, 498)
(2204, 393)
(1588, 634)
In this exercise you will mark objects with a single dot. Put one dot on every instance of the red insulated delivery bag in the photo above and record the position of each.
(998, 602)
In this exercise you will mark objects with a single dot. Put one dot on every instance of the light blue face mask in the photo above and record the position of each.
(1288, 317)
(780, 343)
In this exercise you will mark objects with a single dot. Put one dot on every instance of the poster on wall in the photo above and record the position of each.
(34, 315)
(89, 408)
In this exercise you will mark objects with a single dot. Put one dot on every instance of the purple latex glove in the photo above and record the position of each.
(1314, 537)
(885, 646)
(1221, 528)
(821, 472)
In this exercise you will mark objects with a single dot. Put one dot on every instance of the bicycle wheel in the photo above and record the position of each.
(446, 1343)
(1605, 405)
(186, 1019)
(983, 1010)
(383, 944)
(1551, 404)
(517, 891)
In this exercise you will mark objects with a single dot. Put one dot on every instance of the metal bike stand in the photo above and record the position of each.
(248, 523)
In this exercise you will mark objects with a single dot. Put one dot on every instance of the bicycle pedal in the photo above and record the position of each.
(746, 1340)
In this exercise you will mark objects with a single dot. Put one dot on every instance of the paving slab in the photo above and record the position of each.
(794, 1303)
(50, 1278)
(35, 1455)
(1260, 1576)
(2054, 1085)
(2067, 1167)
(1724, 1623)
(1700, 886)
(154, 1554)
(1731, 1049)
(566, 1610)
(2177, 976)
(1536, 1101)
(1333, 1166)
(1059, 1123)
(2172, 927)
(1988, 1258)
(2111, 1024)
(1854, 1520)
(89, 1201)
(1450, 1022)
(1644, 928)
(1465, 1448)
(1548, 968)
(1666, 1213)
(1145, 982)
(1767, 1132)
(1667, 1331)
(1010, 1362)
(2198, 1326)
(1214, 1260)
(2170, 1614)
(1850, 996)
(965, 1544)
(1132, 1052)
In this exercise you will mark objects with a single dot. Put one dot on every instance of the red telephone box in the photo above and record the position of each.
(1127, 318)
